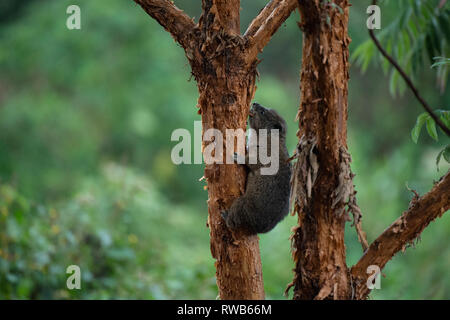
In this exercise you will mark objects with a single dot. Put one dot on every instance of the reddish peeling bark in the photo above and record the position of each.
(318, 242)
(238, 263)
(226, 84)
(322, 185)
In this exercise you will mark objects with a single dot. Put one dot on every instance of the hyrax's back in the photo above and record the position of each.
(268, 198)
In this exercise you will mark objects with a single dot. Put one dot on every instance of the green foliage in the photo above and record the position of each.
(445, 153)
(421, 120)
(425, 119)
(441, 61)
(442, 65)
(104, 229)
(419, 28)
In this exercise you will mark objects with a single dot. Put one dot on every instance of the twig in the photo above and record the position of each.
(281, 10)
(261, 17)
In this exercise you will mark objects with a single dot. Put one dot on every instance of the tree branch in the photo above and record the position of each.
(409, 82)
(261, 17)
(270, 21)
(402, 232)
(174, 20)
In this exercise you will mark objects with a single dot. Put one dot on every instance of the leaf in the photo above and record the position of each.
(408, 15)
(363, 54)
(438, 158)
(431, 128)
(413, 28)
(429, 47)
(421, 119)
(445, 117)
(395, 76)
(440, 61)
(417, 54)
(444, 24)
(415, 6)
(406, 41)
(444, 152)
(435, 35)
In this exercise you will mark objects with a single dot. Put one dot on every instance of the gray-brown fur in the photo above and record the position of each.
(266, 199)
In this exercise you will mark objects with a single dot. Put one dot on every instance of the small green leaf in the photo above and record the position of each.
(431, 128)
(416, 5)
(440, 62)
(393, 83)
(446, 118)
(435, 35)
(445, 25)
(415, 133)
(445, 153)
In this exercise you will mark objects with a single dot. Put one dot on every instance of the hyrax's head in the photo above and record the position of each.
(263, 118)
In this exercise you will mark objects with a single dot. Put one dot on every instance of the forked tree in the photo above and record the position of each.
(223, 63)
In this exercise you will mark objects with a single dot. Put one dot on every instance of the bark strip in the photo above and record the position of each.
(267, 29)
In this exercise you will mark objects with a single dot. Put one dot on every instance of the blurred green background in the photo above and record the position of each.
(86, 176)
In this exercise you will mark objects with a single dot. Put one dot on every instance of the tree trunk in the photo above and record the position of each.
(223, 103)
(226, 84)
(225, 94)
(318, 242)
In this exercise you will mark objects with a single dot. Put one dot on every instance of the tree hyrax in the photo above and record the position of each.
(266, 199)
